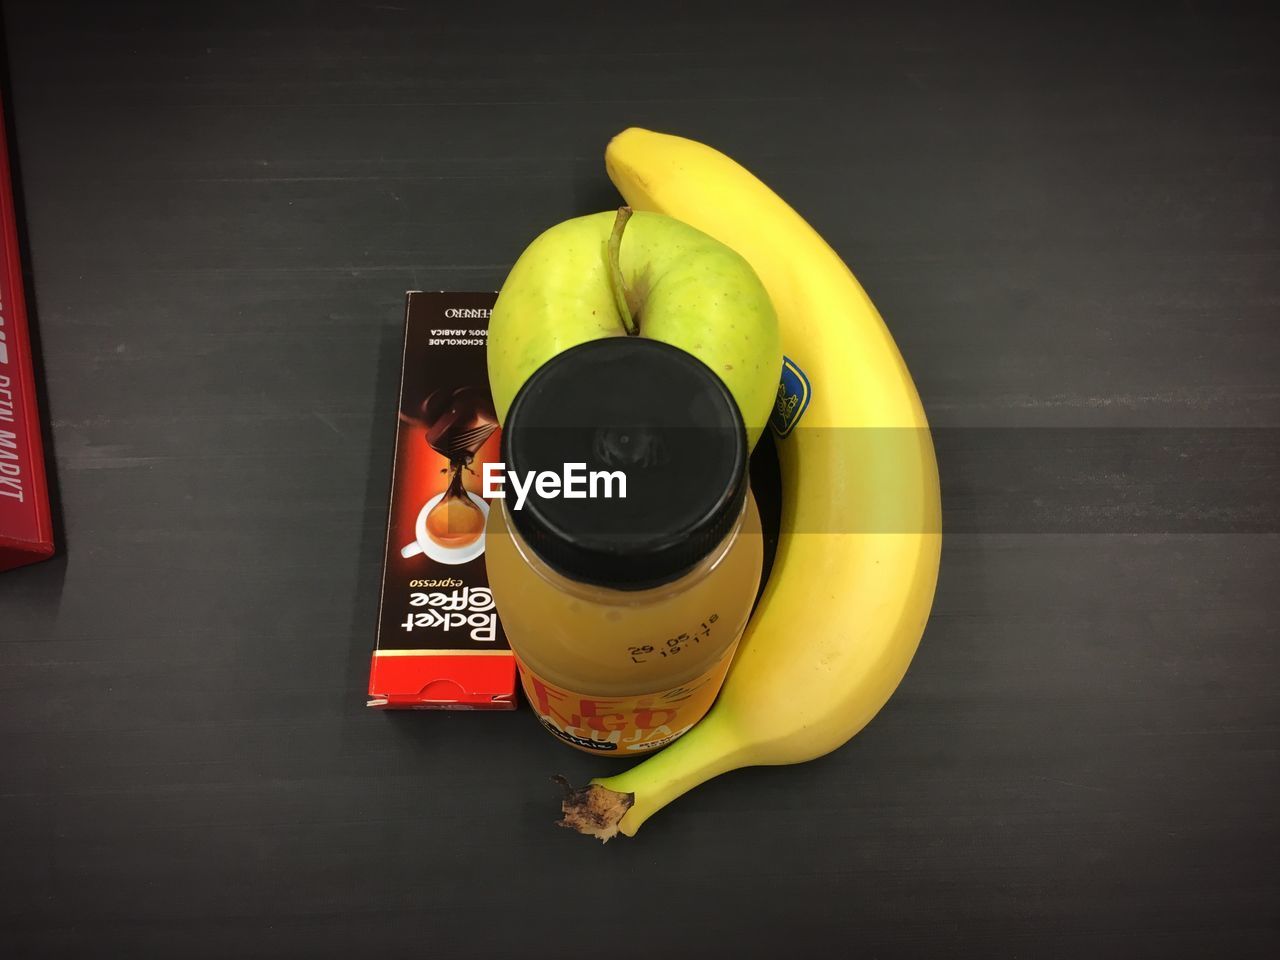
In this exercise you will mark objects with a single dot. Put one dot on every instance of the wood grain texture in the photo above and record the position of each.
(1069, 220)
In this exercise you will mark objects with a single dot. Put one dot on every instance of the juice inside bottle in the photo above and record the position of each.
(624, 612)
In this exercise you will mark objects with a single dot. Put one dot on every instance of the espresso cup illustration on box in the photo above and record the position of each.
(463, 548)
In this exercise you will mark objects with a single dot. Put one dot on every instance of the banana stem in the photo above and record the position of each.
(621, 803)
(616, 280)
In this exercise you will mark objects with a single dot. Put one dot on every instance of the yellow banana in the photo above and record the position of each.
(860, 538)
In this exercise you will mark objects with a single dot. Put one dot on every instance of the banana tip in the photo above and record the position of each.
(593, 810)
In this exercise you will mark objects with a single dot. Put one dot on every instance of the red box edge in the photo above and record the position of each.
(14, 552)
(463, 680)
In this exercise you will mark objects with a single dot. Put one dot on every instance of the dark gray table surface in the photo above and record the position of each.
(1069, 220)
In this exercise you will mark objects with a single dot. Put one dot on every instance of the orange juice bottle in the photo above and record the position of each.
(623, 598)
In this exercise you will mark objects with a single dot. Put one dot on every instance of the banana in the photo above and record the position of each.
(860, 537)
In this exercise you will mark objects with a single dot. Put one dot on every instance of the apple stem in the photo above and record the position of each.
(616, 280)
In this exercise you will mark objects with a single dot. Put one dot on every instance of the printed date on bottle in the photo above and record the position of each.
(673, 646)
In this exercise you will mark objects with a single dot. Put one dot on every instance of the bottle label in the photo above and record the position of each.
(622, 725)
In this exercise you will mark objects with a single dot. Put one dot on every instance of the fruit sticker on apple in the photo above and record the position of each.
(637, 274)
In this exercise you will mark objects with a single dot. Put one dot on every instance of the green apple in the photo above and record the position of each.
(643, 274)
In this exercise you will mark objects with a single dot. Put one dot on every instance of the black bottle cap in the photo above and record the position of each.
(658, 415)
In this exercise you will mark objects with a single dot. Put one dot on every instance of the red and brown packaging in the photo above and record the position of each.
(440, 644)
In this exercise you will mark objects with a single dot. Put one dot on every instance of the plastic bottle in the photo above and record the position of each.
(624, 611)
